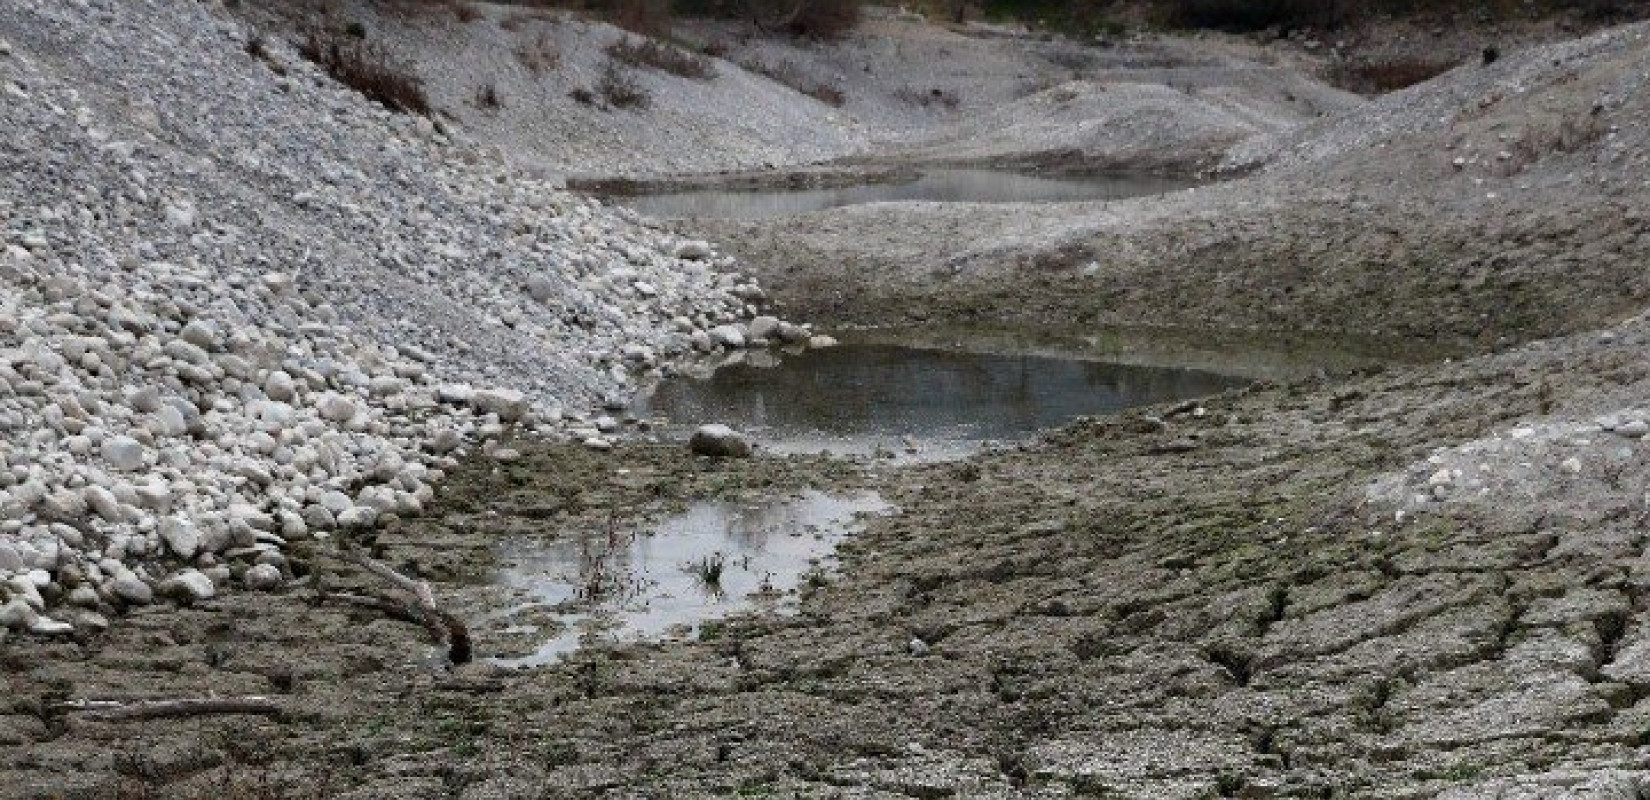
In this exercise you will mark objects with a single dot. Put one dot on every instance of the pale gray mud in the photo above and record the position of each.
(1162, 603)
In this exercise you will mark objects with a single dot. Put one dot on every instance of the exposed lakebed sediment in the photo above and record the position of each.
(1382, 579)
(1110, 608)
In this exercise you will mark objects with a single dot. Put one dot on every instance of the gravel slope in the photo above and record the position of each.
(240, 307)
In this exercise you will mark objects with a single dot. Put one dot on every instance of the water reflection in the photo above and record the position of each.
(617, 584)
(940, 185)
(859, 397)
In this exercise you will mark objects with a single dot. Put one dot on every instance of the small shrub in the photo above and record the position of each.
(367, 69)
(656, 55)
(356, 30)
(515, 21)
(709, 571)
(583, 96)
(1572, 133)
(540, 55)
(943, 98)
(829, 95)
(487, 97)
(257, 46)
(716, 48)
(621, 90)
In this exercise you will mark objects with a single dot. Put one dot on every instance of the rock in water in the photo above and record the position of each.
(719, 441)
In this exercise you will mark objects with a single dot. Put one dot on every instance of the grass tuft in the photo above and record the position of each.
(621, 90)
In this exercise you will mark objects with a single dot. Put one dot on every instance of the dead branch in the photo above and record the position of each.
(114, 711)
(445, 629)
(393, 609)
(470, 686)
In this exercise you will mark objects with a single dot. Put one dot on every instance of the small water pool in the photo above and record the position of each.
(937, 185)
(909, 402)
(666, 580)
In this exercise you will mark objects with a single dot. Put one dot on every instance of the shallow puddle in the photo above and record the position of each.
(664, 581)
(914, 403)
(939, 185)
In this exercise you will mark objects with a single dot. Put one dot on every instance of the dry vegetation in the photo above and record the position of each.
(621, 90)
(1570, 134)
(364, 67)
(1379, 77)
(643, 52)
(787, 73)
(540, 55)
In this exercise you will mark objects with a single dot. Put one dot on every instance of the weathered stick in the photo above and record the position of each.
(389, 608)
(112, 711)
(445, 629)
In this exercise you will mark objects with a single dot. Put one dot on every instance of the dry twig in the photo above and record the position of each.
(445, 629)
(115, 711)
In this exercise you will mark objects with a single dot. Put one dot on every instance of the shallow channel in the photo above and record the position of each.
(937, 185)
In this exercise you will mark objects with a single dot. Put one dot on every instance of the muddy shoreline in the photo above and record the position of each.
(1153, 604)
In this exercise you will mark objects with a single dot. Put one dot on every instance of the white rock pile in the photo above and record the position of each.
(241, 307)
